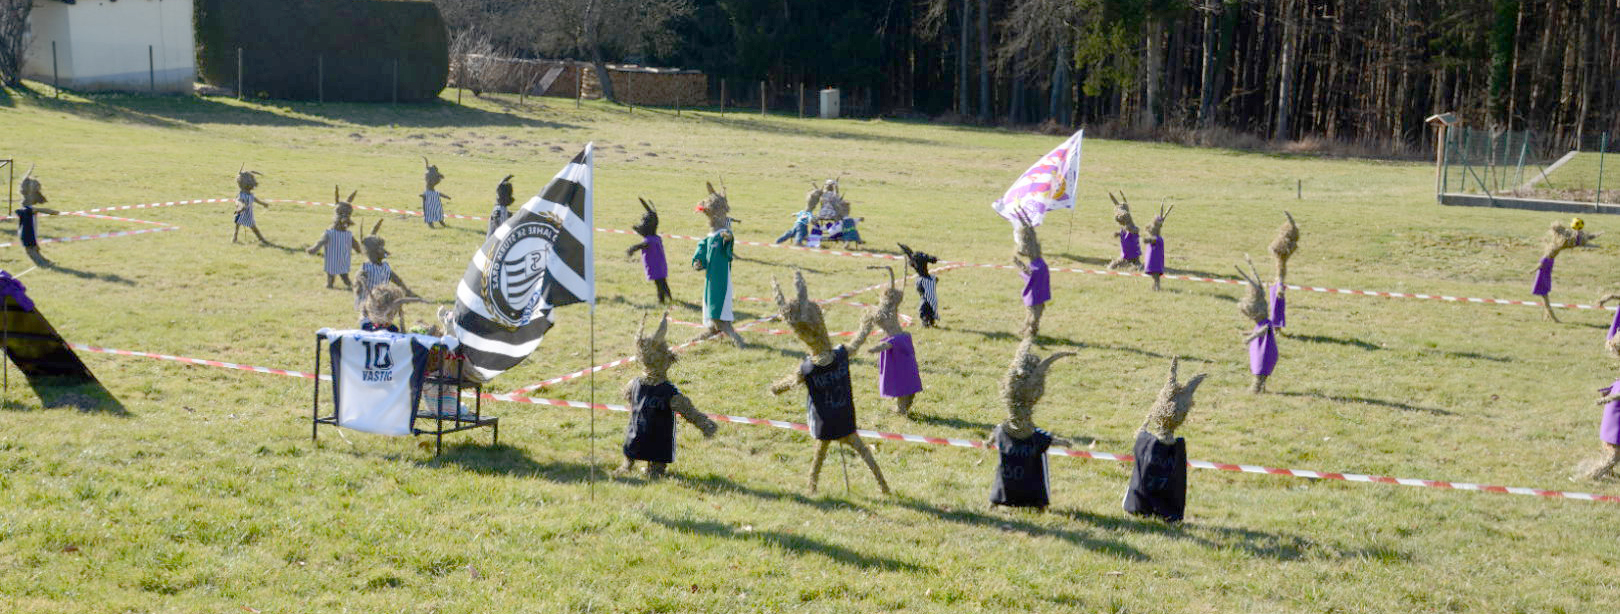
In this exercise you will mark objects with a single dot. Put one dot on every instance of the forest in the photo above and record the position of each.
(1366, 72)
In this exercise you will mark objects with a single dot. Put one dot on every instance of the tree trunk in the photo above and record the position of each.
(1503, 30)
(593, 9)
(1206, 94)
(964, 104)
(1285, 87)
(1151, 73)
(984, 60)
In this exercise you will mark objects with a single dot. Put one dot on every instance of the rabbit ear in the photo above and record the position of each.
(781, 301)
(376, 227)
(425, 163)
(28, 174)
(890, 269)
(1290, 217)
(1116, 200)
(641, 328)
(335, 192)
(663, 326)
(243, 169)
(508, 179)
(803, 288)
(645, 205)
(710, 186)
(351, 196)
(1175, 363)
(1047, 364)
(256, 173)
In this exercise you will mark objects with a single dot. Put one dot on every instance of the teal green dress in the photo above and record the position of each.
(714, 253)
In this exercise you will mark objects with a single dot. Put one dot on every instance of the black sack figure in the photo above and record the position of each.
(1022, 473)
(927, 286)
(1159, 478)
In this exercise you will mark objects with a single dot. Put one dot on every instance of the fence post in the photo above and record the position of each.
(151, 69)
(396, 80)
(801, 100)
(239, 93)
(762, 99)
(722, 96)
(56, 75)
(1602, 150)
(579, 84)
(320, 78)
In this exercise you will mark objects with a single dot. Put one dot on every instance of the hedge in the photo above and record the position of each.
(293, 49)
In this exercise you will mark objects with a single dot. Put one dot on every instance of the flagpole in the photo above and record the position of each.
(592, 408)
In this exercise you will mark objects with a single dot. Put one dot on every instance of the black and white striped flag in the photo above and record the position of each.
(537, 260)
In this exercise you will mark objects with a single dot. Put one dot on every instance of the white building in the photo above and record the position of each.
(124, 45)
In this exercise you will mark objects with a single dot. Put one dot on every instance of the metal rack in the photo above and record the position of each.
(441, 424)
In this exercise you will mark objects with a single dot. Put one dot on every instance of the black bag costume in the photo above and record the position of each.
(1159, 479)
(650, 436)
(828, 397)
(1021, 476)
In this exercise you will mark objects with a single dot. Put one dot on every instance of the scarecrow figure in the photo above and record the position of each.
(432, 199)
(503, 200)
(1037, 277)
(927, 286)
(1282, 248)
(375, 272)
(383, 309)
(1614, 326)
(836, 224)
(337, 241)
(825, 377)
(1158, 484)
(1155, 246)
(1608, 426)
(652, 251)
(444, 368)
(1130, 246)
(803, 220)
(898, 377)
(27, 216)
(1558, 239)
(1263, 341)
(246, 181)
(1021, 473)
(654, 403)
(713, 257)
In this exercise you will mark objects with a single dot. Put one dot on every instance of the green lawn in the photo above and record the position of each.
(204, 493)
(1581, 174)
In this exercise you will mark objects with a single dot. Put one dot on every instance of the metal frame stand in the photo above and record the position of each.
(11, 180)
(442, 424)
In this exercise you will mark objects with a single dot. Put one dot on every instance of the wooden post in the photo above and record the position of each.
(801, 100)
(762, 99)
(1602, 149)
(239, 93)
(722, 97)
(56, 75)
(1440, 160)
(579, 84)
(151, 68)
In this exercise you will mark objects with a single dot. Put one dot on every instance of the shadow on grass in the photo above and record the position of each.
(958, 423)
(751, 124)
(438, 114)
(1258, 544)
(1008, 520)
(113, 278)
(798, 544)
(724, 486)
(509, 461)
(1054, 342)
(89, 398)
(1355, 343)
(1479, 356)
(1365, 401)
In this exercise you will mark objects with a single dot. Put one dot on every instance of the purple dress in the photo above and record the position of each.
(1609, 430)
(1263, 350)
(1130, 246)
(1037, 283)
(1543, 278)
(1155, 257)
(1614, 326)
(652, 258)
(897, 368)
(1279, 306)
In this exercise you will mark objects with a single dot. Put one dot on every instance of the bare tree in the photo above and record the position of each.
(13, 39)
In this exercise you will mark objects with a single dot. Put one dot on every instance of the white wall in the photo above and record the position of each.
(114, 44)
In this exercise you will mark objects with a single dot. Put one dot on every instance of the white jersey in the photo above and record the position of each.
(432, 207)
(338, 244)
(377, 378)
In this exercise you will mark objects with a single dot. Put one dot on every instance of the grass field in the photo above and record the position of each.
(203, 492)
(1581, 175)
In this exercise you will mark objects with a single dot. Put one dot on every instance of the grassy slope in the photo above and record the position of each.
(207, 494)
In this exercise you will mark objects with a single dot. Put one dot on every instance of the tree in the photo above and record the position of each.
(13, 39)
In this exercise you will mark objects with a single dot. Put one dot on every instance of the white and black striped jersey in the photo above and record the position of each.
(338, 244)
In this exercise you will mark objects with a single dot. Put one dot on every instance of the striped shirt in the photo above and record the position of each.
(244, 216)
(373, 275)
(432, 207)
(497, 217)
(338, 244)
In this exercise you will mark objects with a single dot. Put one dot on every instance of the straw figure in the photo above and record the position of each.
(1037, 277)
(1608, 426)
(503, 200)
(432, 198)
(337, 241)
(802, 220)
(898, 377)
(1130, 246)
(440, 390)
(383, 308)
(375, 272)
(1158, 484)
(927, 286)
(1155, 246)
(825, 377)
(33, 196)
(246, 181)
(1263, 341)
(1614, 326)
(836, 223)
(713, 257)
(1021, 475)
(1559, 238)
(652, 251)
(1282, 248)
(654, 403)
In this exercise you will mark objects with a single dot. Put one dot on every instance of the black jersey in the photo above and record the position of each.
(26, 221)
(1159, 479)
(650, 436)
(1021, 479)
(828, 396)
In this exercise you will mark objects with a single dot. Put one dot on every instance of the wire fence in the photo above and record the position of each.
(1525, 164)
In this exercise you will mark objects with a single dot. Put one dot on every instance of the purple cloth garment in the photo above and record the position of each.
(1543, 278)
(1263, 350)
(1130, 246)
(1155, 257)
(1609, 429)
(897, 368)
(1037, 283)
(1279, 306)
(1614, 326)
(9, 286)
(652, 258)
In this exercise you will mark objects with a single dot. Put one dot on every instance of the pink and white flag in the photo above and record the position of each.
(1047, 185)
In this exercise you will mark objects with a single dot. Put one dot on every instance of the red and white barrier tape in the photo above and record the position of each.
(106, 235)
(940, 441)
